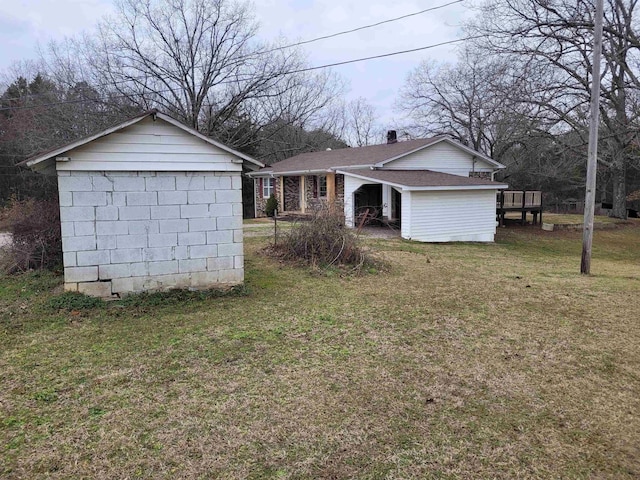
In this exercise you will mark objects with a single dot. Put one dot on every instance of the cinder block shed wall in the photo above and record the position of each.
(126, 232)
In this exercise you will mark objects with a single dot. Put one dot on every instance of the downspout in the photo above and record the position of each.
(255, 200)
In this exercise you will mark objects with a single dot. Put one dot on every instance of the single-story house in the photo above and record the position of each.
(436, 189)
(149, 204)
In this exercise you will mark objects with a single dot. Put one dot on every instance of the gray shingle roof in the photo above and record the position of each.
(423, 178)
(344, 157)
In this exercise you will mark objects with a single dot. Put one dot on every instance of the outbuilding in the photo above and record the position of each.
(149, 204)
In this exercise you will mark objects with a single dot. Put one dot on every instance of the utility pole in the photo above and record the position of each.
(592, 154)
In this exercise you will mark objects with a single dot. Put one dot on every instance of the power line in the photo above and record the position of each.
(401, 52)
(275, 49)
(344, 32)
(291, 72)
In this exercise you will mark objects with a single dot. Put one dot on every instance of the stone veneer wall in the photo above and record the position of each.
(313, 204)
(340, 189)
(261, 203)
(316, 203)
(126, 232)
(484, 175)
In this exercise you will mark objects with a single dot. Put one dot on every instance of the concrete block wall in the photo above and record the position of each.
(125, 232)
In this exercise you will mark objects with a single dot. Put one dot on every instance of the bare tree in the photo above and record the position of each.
(304, 100)
(555, 37)
(37, 113)
(284, 140)
(200, 61)
(361, 124)
(476, 101)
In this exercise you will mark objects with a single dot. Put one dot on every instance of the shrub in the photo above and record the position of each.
(36, 242)
(323, 241)
(271, 206)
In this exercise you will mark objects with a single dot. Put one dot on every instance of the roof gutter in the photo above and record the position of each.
(293, 172)
(308, 172)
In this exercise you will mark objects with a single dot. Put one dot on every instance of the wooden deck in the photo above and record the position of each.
(522, 201)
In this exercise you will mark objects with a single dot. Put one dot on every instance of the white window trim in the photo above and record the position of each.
(320, 195)
(268, 184)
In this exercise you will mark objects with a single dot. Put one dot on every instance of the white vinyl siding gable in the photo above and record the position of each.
(149, 145)
(441, 157)
(447, 216)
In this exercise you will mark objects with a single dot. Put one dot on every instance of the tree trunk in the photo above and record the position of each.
(618, 174)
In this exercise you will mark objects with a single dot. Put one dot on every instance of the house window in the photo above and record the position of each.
(267, 187)
(320, 186)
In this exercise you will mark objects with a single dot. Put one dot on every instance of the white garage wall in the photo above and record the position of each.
(136, 231)
(442, 157)
(449, 216)
(405, 214)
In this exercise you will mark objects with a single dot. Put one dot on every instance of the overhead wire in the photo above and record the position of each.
(344, 32)
(275, 49)
(290, 72)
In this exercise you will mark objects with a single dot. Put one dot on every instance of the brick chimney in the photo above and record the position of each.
(392, 137)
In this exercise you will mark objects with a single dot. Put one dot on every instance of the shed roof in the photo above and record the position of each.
(360, 157)
(424, 179)
(39, 158)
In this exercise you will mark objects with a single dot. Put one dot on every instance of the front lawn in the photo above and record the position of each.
(461, 361)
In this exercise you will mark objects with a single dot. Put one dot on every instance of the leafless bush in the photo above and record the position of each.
(36, 243)
(323, 241)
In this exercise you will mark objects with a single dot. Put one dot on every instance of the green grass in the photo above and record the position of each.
(460, 361)
(257, 221)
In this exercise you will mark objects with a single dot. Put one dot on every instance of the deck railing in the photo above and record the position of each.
(519, 199)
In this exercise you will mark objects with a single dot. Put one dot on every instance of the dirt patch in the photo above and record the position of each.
(580, 226)
(380, 232)
(5, 239)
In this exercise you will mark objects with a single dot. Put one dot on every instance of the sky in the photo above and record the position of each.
(27, 24)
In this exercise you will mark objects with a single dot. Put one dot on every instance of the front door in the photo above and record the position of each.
(291, 194)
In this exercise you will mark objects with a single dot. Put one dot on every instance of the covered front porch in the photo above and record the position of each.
(300, 195)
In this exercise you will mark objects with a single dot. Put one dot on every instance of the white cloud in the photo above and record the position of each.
(36, 22)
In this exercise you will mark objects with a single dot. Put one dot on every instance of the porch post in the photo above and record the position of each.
(303, 193)
(331, 191)
(281, 193)
(386, 201)
(331, 187)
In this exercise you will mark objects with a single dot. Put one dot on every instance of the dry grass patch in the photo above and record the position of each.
(569, 218)
(462, 361)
